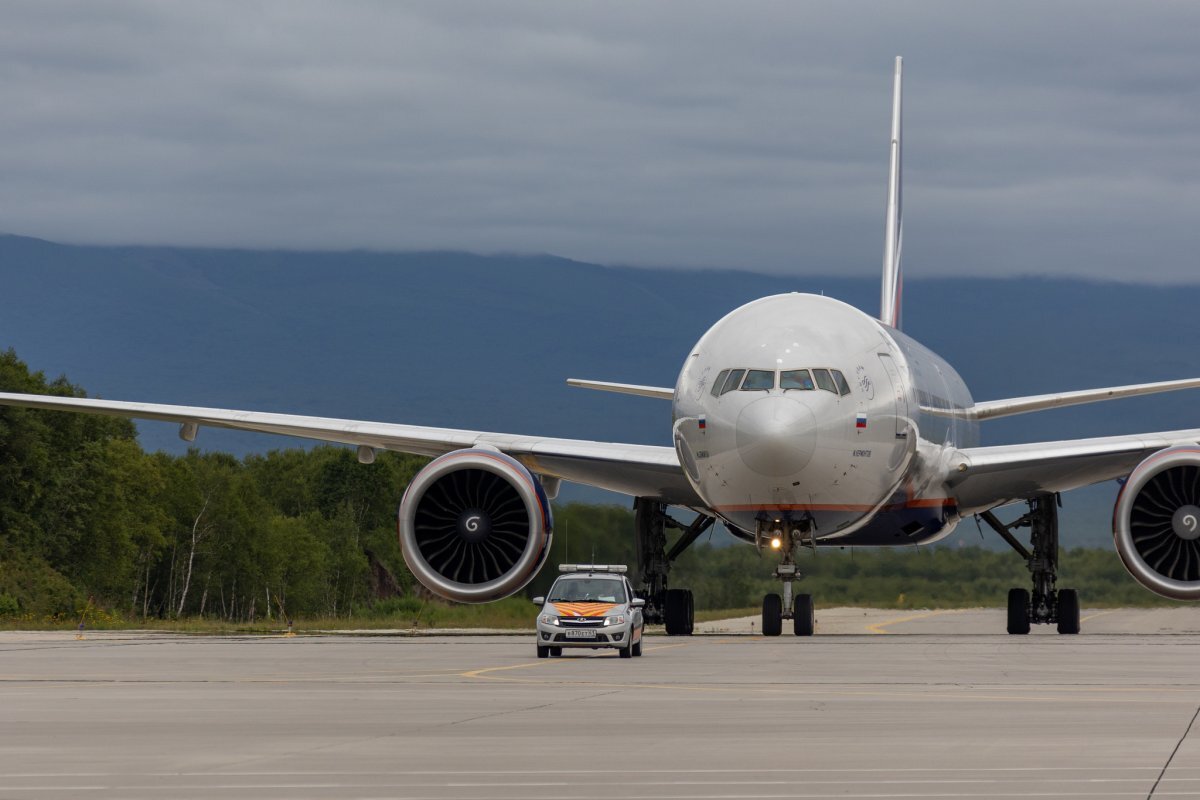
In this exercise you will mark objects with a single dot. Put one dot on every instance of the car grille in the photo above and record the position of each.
(601, 638)
(577, 622)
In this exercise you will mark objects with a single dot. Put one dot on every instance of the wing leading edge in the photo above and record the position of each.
(994, 409)
(633, 469)
(985, 477)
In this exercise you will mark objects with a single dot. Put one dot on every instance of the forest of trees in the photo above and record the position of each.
(88, 518)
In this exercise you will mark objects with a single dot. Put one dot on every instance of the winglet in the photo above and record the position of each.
(893, 284)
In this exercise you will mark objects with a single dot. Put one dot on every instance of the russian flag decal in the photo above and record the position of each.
(860, 421)
(702, 422)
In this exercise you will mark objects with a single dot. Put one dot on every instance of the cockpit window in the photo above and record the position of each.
(840, 380)
(796, 379)
(719, 382)
(759, 380)
(735, 378)
(824, 381)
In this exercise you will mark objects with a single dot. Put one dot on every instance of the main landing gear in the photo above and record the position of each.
(776, 608)
(674, 608)
(1045, 604)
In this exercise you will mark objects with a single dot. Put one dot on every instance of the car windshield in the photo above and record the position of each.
(582, 590)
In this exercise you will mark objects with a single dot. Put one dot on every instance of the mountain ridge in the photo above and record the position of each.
(456, 339)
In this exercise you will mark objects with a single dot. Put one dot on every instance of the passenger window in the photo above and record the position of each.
(735, 378)
(759, 380)
(824, 381)
(796, 379)
(840, 380)
(719, 382)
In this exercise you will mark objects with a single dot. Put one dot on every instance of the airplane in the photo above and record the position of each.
(799, 422)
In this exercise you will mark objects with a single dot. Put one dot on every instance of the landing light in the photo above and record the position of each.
(776, 543)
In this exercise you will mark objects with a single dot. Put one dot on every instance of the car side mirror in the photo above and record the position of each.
(637, 602)
(539, 601)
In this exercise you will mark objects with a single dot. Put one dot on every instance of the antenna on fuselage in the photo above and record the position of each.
(889, 303)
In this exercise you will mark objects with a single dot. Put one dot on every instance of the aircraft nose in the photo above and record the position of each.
(776, 436)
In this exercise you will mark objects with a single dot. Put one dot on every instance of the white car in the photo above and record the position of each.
(590, 605)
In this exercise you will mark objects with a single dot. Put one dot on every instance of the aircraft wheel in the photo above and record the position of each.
(1018, 611)
(772, 615)
(804, 617)
(1068, 611)
(678, 612)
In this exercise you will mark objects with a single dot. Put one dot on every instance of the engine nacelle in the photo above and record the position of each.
(1156, 523)
(475, 526)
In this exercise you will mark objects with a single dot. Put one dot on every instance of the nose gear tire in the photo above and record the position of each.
(804, 618)
(772, 615)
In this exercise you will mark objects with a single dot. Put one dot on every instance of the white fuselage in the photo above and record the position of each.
(861, 461)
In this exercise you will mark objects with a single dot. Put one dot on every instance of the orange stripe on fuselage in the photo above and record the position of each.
(936, 502)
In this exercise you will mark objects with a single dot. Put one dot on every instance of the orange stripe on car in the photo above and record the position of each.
(584, 609)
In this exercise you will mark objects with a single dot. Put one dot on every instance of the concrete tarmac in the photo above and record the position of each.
(954, 709)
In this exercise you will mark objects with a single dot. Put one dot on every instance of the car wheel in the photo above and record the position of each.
(555, 651)
(543, 652)
(637, 647)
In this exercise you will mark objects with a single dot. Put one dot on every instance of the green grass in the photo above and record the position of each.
(403, 613)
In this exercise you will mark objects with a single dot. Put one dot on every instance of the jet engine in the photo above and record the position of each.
(475, 526)
(1156, 523)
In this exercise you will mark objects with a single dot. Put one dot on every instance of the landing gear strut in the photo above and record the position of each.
(1045, 604)
(674, 608)
(775, 608)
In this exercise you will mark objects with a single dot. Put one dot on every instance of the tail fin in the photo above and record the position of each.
(893, 284)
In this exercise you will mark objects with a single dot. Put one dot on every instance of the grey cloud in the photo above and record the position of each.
(1043, 138)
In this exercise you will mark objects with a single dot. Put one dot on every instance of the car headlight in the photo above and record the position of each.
(548, 619)
(616, 619)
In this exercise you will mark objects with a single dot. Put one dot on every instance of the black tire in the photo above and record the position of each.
(772, 616)
(543, 652)
(627, 650)
(637, 647)
(804, 617)
(555, 652)
(691, 612)
(1068, 611)
(1018, 611)
(676, 612)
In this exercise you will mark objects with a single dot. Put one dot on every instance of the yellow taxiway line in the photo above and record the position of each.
(878, 627)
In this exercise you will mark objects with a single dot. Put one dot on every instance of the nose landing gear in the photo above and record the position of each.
(776, 608)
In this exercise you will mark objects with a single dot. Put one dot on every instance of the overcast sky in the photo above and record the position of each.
(1039, 138)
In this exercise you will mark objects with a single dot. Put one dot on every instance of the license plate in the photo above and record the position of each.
(581, 634)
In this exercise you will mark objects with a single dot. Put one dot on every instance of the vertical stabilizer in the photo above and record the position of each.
(889, 303)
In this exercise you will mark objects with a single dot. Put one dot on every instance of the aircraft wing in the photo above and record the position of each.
(994, 409)
(633, 469)
(985, 477)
